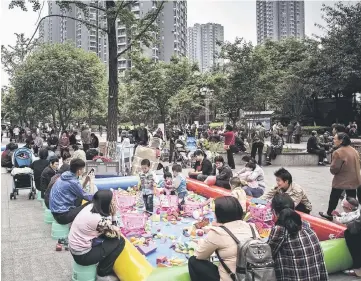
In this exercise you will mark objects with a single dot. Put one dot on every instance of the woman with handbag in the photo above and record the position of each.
(229, 145)
(93, 239)
(229, 214)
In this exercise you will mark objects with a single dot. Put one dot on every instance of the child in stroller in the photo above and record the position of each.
(181, 153)
(22, 173)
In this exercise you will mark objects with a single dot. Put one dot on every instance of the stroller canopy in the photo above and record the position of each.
(22, 157)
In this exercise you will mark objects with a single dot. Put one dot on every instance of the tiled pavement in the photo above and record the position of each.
(28, 252)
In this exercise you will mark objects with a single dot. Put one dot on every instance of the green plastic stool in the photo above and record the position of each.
(48, 216)
(84, 273)
(43, 204)
(59, 231)
(38, 195)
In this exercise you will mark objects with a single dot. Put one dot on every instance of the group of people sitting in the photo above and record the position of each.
(251, 176)
(93, 237)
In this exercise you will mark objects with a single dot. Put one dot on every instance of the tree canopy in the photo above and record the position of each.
(58, 80)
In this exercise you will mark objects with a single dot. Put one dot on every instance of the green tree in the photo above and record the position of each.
(244, 70)
(286, 62)
(58, 79)
(13, 56)
(140, 32)
(337, 68)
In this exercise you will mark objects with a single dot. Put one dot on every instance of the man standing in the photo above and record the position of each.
(280, 129)
(298, 132)
(141, 136)
(290, 129)
(258, 135)
(85, 138)
(16, 133)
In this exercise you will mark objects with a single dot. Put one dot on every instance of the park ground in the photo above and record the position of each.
(28, 252)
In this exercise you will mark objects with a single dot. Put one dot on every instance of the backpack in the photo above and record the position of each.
(254, 260)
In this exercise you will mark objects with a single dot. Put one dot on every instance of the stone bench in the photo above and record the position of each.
(286, 159)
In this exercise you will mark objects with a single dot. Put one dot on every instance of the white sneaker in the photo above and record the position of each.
(107, 278)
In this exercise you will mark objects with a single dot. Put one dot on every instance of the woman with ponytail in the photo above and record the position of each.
(295, 247)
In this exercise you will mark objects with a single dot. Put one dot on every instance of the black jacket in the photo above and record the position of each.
(72, 139)
(141, 136)
(45, 178)
(312, 144)
(206, 167)
(225, 173)
(38, 167)
(95, 142)
(355, 227)
(64, 168)
(53, 141)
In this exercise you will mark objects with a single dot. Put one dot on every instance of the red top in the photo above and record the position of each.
(229, 138)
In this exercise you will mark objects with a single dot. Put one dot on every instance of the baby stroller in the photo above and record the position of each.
(22, 173)
(181, 153)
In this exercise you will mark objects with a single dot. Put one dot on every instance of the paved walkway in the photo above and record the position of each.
(28, 252)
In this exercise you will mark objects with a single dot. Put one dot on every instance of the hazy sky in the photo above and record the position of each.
(237, 17)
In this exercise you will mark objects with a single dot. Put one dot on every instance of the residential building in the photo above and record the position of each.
(170, 40)
(204, 44)
(277, 20)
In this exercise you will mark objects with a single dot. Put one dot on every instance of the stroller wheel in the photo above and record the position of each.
(12, 196)
(31, 196)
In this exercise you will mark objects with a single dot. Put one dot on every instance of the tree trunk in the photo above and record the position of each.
(113, 84)
(54, 118)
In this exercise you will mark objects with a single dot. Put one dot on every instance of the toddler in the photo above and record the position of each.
(147, 184)
(351, 212)
(180, 184)
(168, 186)
(238, 192)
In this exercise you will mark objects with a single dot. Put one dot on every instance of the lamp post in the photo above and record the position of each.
(207, 98)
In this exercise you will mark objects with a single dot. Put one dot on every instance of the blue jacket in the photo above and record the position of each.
(66, 190)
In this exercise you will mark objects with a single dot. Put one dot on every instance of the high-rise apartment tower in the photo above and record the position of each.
(171, 38)
(277, 20)
(204, 44)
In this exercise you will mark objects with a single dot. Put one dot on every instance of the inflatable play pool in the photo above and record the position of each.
(336, 254)
(324, 229)
(337, 258)
(116, 182)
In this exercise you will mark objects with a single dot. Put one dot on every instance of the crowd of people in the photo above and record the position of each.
(293, 246)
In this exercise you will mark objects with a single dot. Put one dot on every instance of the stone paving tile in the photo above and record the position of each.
(28, 252)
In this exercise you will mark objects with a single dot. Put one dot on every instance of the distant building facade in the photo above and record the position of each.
(171, 38)
(277, 20)
(203, 46)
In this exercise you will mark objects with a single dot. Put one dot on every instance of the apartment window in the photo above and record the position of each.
(121, 40)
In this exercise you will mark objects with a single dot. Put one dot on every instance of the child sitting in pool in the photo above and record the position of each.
(179, 183)
(351, 212)
(168, 187)
(238, 192)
